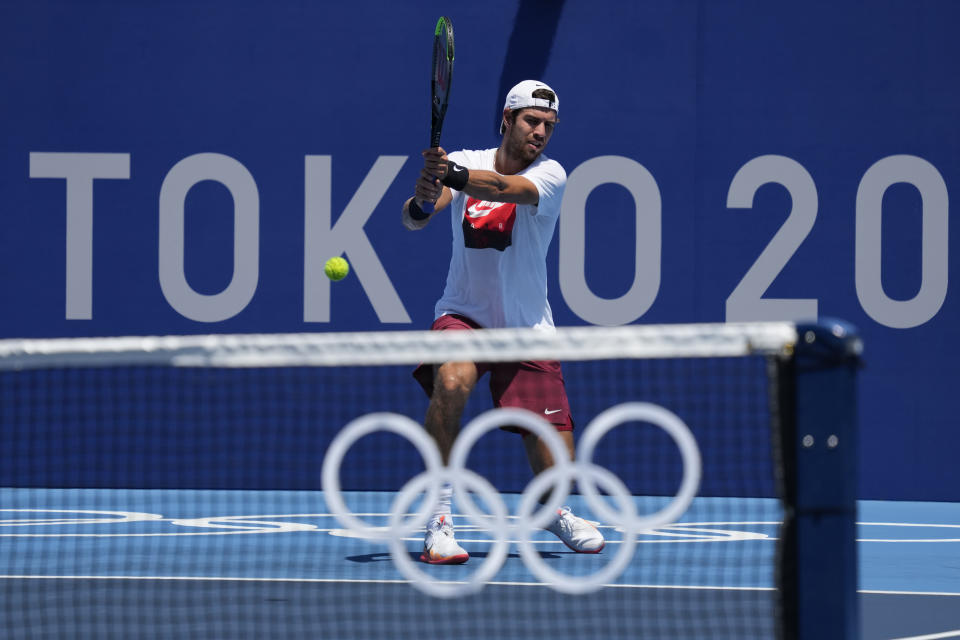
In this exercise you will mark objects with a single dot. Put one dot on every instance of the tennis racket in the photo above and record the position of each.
(440, 77)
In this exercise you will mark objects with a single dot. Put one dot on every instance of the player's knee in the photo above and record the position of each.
(452, 385)
(454, 381)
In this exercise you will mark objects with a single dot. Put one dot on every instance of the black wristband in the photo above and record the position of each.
(416, 212)
(456, 177)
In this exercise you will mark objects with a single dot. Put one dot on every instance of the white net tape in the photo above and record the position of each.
(404, 347)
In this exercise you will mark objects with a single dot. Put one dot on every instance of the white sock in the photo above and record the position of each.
(443, 503)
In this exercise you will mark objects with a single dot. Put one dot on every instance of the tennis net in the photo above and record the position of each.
(270, 485)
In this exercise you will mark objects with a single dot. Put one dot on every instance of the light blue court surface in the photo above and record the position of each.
(51, 541)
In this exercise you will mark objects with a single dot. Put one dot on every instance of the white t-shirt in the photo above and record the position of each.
(498, 270)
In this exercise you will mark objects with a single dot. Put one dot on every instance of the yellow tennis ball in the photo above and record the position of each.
(336, 268)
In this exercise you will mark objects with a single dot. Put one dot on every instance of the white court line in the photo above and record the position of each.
(908, 524)
(690, 534)
(933, 636)
(357, 581)
(259, 524)
(506, 584)
(254, 524)
(909, 593)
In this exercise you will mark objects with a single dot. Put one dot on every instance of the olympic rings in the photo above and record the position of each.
(496, 556)
(676, 429)
(557, 480)
(494, 419)
(557, 580)
(356, 429)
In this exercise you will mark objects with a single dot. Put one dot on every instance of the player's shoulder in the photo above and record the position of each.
(548, 166)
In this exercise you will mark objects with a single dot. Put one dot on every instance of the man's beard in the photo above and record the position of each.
(518, 149)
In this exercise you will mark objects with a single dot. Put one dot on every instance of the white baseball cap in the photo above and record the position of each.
(521, 97)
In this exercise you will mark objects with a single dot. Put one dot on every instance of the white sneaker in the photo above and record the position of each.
(439, 546)
(578, 534)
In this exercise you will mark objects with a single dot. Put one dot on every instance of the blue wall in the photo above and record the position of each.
(763, 142)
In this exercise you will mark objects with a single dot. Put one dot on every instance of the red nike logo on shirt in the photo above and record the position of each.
(479, 208)
(488, 225)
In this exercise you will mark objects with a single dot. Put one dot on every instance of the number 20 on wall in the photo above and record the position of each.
(747, 302)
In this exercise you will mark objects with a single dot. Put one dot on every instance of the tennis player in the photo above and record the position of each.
(505, 203)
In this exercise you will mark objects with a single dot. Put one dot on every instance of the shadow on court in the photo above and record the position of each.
(474, 555)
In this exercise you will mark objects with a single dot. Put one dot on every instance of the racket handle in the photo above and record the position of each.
(427, 205)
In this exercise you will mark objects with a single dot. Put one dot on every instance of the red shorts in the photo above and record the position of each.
(533, 385)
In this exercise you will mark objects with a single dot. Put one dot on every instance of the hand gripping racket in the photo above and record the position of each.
(440, 78)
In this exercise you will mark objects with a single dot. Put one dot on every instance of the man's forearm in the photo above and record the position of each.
(492, 186)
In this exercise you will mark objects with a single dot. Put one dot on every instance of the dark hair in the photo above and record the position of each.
(544, 94)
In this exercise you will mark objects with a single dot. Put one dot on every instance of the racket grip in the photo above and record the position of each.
(427, 205)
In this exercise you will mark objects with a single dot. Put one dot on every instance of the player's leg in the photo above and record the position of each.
(539, 454)
(539, 387)
(452, 384)
(575, 532)
(449, 386)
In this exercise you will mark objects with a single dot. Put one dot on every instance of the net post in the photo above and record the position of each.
(818, 568)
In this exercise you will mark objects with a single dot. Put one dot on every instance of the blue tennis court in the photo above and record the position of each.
(264, 556)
